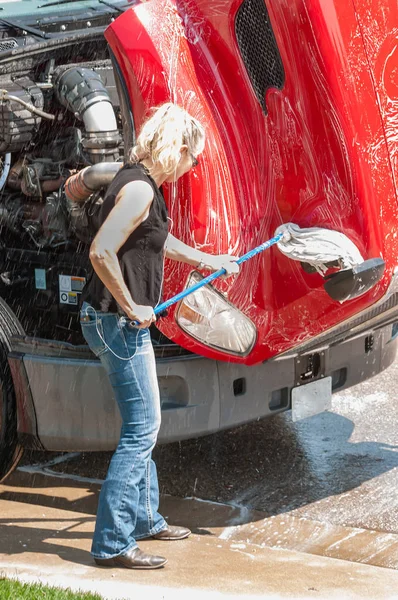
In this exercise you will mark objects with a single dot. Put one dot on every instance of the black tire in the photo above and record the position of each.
(10, 450)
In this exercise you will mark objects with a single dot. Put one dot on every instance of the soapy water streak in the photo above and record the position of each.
(171, 41)
(295, 164)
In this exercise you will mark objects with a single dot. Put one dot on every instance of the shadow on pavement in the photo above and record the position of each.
(273, 466)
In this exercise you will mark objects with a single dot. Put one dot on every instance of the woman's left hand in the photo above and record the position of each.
(214, 263)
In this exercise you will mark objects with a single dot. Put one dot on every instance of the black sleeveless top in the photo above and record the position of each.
(141, 257)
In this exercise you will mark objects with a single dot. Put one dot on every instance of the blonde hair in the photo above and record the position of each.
(162, 136)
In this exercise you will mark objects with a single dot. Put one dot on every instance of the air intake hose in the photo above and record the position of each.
(82, 91)
(80, 186)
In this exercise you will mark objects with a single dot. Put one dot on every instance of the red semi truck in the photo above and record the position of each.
(299, 102)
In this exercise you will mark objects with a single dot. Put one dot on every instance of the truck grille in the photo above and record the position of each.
(258, 48)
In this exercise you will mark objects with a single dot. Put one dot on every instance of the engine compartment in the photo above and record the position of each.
(52, 126)
(59, 113)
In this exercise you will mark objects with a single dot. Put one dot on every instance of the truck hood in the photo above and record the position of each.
(295, 133)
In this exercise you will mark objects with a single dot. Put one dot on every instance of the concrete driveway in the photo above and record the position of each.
(293, 510)
(46, 525)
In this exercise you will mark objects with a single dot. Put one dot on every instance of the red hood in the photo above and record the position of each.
(314, 153)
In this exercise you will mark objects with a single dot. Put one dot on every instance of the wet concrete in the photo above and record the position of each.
(338, 467)
(317, 490)
(46, 526)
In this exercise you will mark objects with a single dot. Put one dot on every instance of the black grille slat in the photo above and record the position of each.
(258, 48)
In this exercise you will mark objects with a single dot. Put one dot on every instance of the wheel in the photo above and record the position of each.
(10, 450)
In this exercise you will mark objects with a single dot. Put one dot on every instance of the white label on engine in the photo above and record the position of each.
(65, 283)
(67, 298)
(40, 279)
(69, 288)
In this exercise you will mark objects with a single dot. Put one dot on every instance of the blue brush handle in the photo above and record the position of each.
(216, 274)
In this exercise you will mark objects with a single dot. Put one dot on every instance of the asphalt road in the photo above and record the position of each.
(334, 474)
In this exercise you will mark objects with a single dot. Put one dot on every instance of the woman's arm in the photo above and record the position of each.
(177, 250)
(132, 206)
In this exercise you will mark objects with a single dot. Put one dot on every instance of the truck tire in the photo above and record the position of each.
(10, 450)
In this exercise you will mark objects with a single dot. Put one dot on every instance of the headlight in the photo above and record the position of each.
(208, 317)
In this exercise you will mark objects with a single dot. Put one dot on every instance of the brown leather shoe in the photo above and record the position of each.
(133, 559)
(172, 533)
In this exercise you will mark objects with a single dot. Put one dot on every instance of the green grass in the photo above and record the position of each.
(14, 590)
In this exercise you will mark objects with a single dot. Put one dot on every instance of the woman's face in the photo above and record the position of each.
(186, 163)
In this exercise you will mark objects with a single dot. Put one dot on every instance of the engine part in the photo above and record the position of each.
(17, 123)
(13, 279)
(8, 44)
(82, 91)
(101, 146)
(8, 220)
(15, 174)
(81, 185)
(82, 197)
(67, 147)
(101, 175)
(81, 216)
(41, 176)
(6, 168)
(50, 229)
(35, 177)
(54, 221)
(75, 188)
(6, 97)
(14, 211)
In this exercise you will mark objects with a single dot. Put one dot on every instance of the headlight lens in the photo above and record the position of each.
(208, 317)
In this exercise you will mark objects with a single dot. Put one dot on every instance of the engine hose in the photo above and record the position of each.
(80, 186)
(101, 174)
(6, 170)
(75, 189)
(5, 96)
(83, 92)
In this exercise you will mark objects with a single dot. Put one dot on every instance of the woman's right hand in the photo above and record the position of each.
(143, 315)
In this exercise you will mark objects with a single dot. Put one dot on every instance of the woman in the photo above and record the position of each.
(127, 255)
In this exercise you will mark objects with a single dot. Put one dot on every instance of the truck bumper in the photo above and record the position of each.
(65, 401)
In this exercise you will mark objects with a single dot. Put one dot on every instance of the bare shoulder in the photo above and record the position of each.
(138, 191)
(131, 208)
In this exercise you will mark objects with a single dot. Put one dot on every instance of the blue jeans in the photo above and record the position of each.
(129, 498)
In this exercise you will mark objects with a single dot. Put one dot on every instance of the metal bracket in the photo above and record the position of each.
(309, 367)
